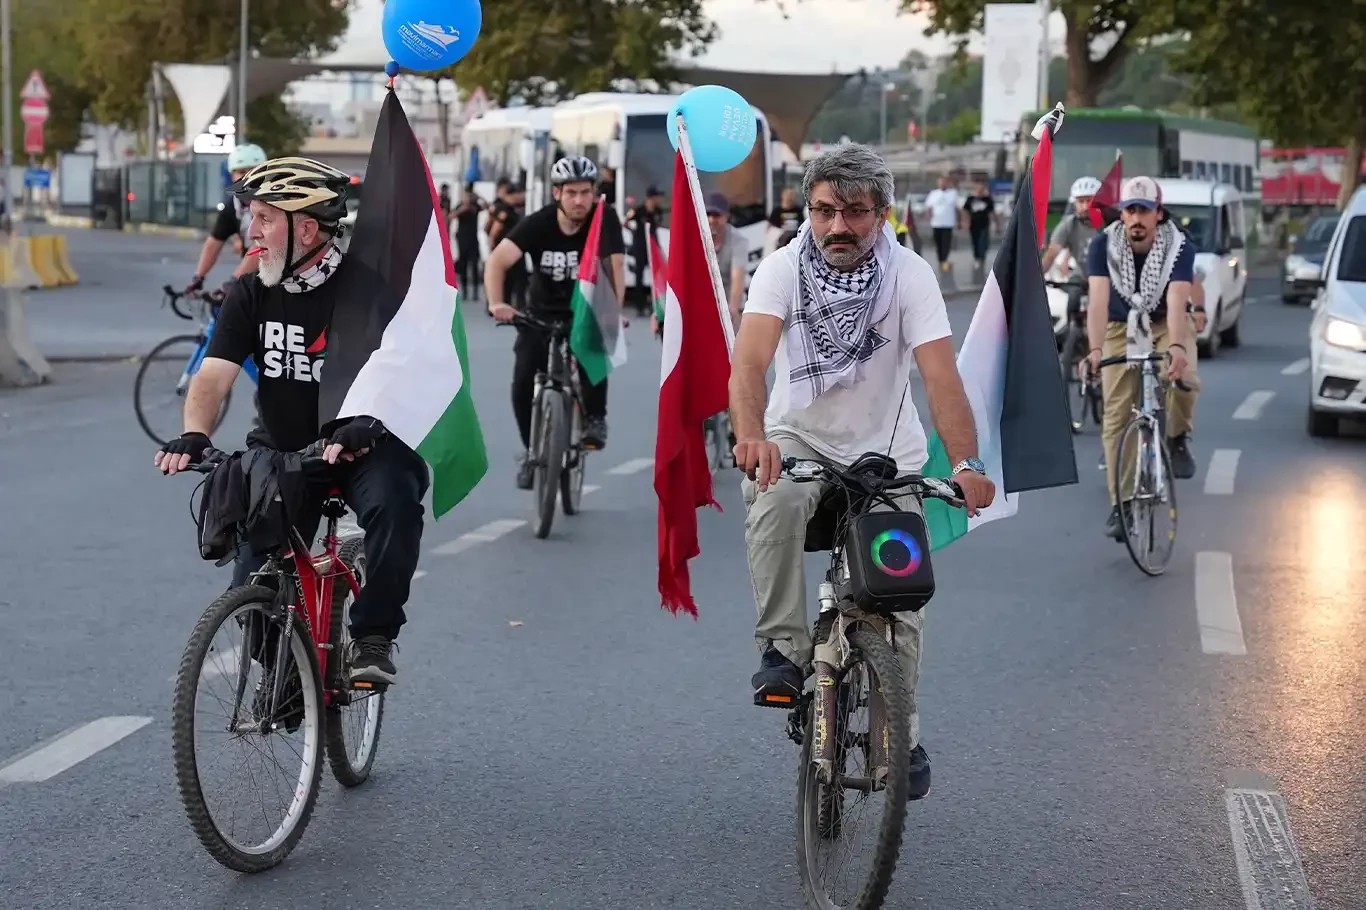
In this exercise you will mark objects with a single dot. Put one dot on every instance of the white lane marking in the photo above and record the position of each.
(483, 534)
(1216, 605)
(1252, 405)
(1264, 849)
(1296, 368)
(590, 488)
(420, 573)
(634, 466)
(68, 749)
(1223, 468)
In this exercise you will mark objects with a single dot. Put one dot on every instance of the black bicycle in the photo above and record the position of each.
(853, 724)
(557, 450)
(1083, 386)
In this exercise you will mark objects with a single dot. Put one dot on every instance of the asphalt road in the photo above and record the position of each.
(558, 741)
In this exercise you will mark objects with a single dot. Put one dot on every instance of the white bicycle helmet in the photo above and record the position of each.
(1085, 187)
(246, 156)
(573, 169)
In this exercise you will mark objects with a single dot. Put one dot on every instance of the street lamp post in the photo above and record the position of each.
(8, 78)
(240, 127)
(886, 87)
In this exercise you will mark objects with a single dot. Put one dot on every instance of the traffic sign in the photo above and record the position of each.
(35, 87)
(33, 110)
(38, 178)
(478, 104)
(33, 139)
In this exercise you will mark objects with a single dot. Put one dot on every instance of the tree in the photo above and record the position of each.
(1298, 71)
(44, 38)
(540, 52)
(962, 129)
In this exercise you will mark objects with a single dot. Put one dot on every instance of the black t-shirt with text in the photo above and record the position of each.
(287, 334)
(505, 216)
(555, 254)
(787, 220)
(979, 209)
(229, 224)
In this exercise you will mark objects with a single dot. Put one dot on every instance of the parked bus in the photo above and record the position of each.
(512, 144)
(1308, 176)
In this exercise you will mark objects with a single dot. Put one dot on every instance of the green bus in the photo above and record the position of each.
(1154, 143)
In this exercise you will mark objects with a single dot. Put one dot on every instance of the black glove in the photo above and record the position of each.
(191, 444)
(196, 284)
(361, 433)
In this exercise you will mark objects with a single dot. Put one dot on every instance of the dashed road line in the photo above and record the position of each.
(1223, 468)
(483, 534)
(1264, 849)
(1252, 405)
(420, 573)
(634, 466)
(1216, 605)
(1296, 368)
(590, 488)
(46, 760)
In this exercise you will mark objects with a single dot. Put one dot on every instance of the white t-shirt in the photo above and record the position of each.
(943, 206)
(844, 422)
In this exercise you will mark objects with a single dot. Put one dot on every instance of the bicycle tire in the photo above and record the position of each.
(194, 341)
(183, 711)
(1133, 430)
(1096, 402)
(550, 460)
(571, 478)
(1071, 380)
(345, 769)
(877, 653)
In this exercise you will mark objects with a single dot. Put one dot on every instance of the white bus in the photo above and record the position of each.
(628, 133)
(513, 144)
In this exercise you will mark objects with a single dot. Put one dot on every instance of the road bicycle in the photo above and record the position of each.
(156, 387)
(278, 687)
(557, 451)
(853, 724)
(719, 441)
(1147, 508)
(1083, 386)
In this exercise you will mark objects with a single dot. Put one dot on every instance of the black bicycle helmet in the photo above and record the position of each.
(573, 169)
(299, 185)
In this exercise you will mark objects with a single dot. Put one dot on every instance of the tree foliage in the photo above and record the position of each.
(540, 51)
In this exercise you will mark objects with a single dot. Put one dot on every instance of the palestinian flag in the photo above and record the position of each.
(1009, 365)
(659, 277)
(596, 337)
(402, 357)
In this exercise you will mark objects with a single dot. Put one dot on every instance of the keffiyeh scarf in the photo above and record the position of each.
(831, 333)
(314, 276)
(1142, 291)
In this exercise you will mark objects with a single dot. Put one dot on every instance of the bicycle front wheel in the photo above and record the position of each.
(552, 438)
(160, 387)
(247, 730)
(354, 717)
(571, 478)
(1147, 503)
(849, 828)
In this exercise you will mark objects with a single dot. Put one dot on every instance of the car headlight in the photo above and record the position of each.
(1294, 262)
(1343, 334)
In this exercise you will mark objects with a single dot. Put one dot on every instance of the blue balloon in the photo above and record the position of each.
(721, 126)
(427, 35)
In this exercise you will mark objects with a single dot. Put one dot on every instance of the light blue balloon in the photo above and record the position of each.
(721, 126)
(427, 35)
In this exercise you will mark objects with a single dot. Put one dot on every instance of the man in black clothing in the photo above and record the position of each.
(980, 208)
(504, 215)
(554, 237)
(787, 217)
(643, 220)
(280, 316)
(232, 223)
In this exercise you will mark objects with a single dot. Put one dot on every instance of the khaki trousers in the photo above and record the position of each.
(775, 538)
(1121, 386)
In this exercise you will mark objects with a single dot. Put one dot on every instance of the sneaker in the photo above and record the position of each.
(778, 684)
(1114, 525)
(526, 473)
(370, 661)
(289, 710)
(1183, 463)
(920, 773)
(595, 433)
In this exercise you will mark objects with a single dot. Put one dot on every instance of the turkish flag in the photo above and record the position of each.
(1105, 204)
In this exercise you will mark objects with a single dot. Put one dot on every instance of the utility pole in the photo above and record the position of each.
(8, 78)
(1045, 9)
(240, 127)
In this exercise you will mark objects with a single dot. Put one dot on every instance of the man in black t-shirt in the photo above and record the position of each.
(280, 316)
(644, 221)
(504, 216)
(232, 223)
(787, 217)
(554, 237)
(980, 208)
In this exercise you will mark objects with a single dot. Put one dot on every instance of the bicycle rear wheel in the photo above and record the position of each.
(259, 692)
(160, 387)
(571, 478)
(1076, 389)
(1147, 510)
(354, 717)
(551, 432)
(859, 811)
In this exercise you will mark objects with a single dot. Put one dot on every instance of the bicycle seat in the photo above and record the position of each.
(333, 504)
(834, 503)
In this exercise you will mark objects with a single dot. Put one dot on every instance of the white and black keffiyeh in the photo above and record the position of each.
(1142, 291)
(831, 333)
(314, 276)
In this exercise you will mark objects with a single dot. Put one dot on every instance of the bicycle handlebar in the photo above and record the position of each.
(1150, 357)
(174, 297)
(541, 325)
(808, 470)
(312, 456)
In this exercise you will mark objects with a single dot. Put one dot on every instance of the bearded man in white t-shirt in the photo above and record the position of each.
(849, 314)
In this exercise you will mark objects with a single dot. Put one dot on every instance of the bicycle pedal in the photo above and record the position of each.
(368, 686)
(776, 697)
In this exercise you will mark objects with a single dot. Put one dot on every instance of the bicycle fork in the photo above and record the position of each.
(830, 654)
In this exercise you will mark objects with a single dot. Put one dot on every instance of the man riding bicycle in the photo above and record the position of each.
(233, 221)
(1139, 269)
(280, 316)
(554, 236)
(1074, 233)
(849, 314)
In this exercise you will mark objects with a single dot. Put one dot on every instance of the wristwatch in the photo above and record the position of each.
(970, 464)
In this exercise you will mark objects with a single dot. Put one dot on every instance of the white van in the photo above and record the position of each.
(1212, 216)
(1337, 336)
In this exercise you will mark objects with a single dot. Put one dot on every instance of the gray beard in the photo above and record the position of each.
(270, 268)
(844, 261)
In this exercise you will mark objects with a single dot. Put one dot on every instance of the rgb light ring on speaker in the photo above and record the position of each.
(907, 541)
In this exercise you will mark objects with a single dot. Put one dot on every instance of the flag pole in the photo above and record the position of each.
(695, 185)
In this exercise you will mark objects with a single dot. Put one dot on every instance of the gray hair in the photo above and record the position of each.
(851, 170)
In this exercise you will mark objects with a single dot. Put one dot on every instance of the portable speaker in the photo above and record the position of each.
(889, 562)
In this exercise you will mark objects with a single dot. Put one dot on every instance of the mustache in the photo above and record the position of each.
(839, 238)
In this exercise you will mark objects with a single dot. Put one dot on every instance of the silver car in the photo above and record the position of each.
(1300, 270)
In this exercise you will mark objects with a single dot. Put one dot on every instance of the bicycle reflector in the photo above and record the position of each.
(889, 562)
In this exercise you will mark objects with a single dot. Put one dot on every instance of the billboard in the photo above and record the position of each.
(1010, 67)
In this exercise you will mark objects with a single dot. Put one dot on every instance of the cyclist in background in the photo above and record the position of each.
(1074, 232)
(233, 222)
(554, 237)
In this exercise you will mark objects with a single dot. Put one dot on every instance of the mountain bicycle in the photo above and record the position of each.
(557, 450)
(1151, 497)
(1083, 387)
(853, 725)
(154, 388)
(285, 696)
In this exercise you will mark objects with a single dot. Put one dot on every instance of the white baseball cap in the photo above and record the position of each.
(1142, 191)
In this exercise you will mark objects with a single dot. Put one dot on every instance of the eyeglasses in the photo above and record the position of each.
(853, 214)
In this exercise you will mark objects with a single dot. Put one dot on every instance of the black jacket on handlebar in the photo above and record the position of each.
(253, 498)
